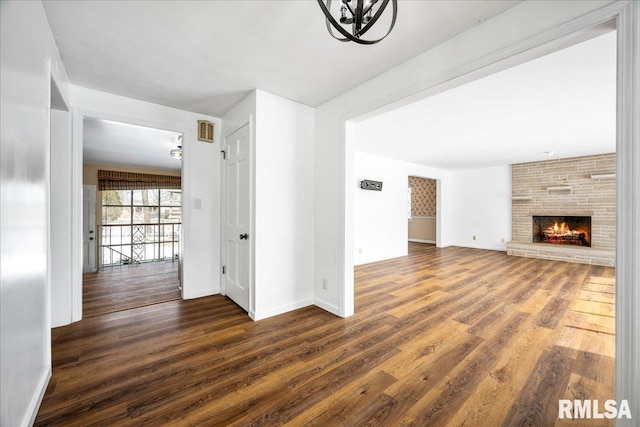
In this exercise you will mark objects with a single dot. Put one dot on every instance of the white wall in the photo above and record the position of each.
(380, 224)
(284, 207)
(482, 208)
(444, 66)
(379, 217)
(200, 178)
(28, 59)
(61, 211)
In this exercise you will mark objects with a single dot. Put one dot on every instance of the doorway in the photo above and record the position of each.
(132, 215)
(620, 123)
(422, 195)
(236, 218)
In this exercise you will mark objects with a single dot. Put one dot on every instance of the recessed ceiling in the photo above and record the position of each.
(205, 56)
(564, 103)
(113, 143)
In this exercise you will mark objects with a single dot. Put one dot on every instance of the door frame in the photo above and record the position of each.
(79, 114)
(223, 197)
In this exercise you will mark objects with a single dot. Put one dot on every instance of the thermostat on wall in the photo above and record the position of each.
(367, 184)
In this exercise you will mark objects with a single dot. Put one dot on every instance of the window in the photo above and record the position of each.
(140, 225)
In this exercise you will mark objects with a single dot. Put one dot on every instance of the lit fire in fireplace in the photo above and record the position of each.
(562, 232)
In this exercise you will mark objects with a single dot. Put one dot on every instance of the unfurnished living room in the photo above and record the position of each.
(350, 212)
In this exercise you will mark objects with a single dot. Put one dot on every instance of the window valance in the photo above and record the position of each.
(115, 180)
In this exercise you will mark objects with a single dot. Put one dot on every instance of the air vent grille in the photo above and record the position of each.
(205, 131)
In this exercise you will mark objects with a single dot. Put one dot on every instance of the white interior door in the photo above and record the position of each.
(237, 217)
(88, 228)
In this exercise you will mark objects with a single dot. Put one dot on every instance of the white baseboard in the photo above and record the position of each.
(331, 308)
(280, 310)
(34, 405)
(433, 242)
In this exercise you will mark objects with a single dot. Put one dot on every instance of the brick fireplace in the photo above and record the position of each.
(565, 210)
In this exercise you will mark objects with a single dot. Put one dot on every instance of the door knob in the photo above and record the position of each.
(244, 236)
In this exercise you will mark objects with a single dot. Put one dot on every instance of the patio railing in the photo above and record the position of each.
(135, 243)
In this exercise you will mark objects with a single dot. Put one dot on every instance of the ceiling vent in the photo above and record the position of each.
(205, 131)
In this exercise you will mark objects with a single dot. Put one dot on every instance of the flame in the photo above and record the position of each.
(561, 229)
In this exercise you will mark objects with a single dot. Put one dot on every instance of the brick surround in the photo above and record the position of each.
(565, 187)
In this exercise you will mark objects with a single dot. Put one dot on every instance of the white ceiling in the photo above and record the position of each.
(564, 102)
(112, 143)
(205, 56)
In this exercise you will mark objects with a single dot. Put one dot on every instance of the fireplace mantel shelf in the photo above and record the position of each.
(521, 197)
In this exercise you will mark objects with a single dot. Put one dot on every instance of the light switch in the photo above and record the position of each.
(197, 203)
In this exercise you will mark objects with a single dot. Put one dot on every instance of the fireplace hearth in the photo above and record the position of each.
(562, 230)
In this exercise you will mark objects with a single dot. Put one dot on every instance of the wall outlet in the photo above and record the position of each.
(197, 203)
(359, 251)
(503, 240)
(474, 237)
(324, 283)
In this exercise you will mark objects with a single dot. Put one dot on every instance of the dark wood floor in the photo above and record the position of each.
(442, 337)
(129, 286)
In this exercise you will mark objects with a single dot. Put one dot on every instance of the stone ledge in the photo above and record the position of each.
(577, 254)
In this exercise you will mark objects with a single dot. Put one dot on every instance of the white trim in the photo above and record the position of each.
(327, 306)
(252, 209)
(77, 136)
(47, 285)
(432, 242)
(628, 212)
(280, 310)
(36, 401)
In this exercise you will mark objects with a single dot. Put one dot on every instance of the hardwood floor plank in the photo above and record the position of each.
(341, 405)
(596, 367)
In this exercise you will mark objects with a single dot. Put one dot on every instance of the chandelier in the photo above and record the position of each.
(359, 15)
